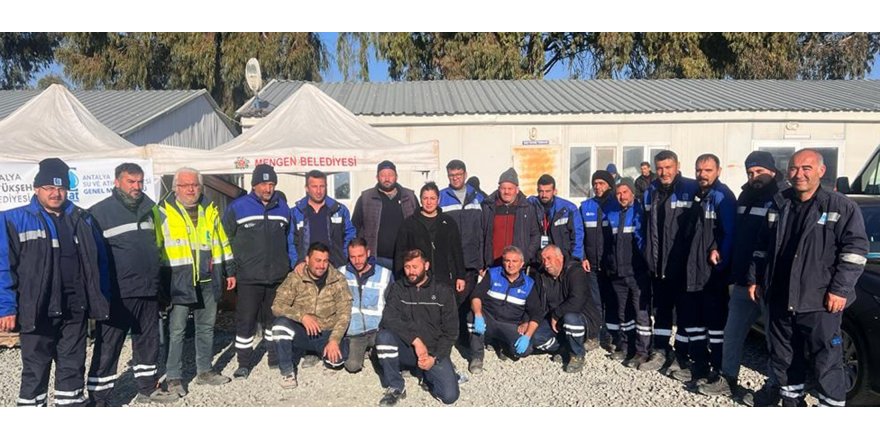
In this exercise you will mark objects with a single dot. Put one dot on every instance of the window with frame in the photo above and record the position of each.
(632, 162)
(341, 184)
(782, 155)
(579, 171)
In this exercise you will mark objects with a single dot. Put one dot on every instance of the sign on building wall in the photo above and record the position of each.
(531, 162)
(90, 181)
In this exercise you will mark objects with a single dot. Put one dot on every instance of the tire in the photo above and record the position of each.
(855, 365)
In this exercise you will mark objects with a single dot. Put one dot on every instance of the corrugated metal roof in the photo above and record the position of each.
(434, 98)
(123, 111)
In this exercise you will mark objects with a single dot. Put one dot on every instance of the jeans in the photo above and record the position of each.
(204, 315)
(395, 353)
(292, 341)
(741, 315)
(572, 328)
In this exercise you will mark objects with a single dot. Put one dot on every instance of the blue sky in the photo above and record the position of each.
(379, 69)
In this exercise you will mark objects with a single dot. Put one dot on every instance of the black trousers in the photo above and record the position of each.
(632, 305)
(807, 340)
(667, 293)
(463, 301)
(141, 317)
(254, 304)
(500, 334)
(701, 317)
(62, 340)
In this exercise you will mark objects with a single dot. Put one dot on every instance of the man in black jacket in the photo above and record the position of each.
(261, 234)
(418, 328)
(644, 180)
(808, 262)
(571, 314)
(128, 220)
(51, 266)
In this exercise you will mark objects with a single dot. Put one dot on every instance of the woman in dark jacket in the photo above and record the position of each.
(437, 236)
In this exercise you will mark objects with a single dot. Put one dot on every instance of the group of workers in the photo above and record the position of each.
(642, 269)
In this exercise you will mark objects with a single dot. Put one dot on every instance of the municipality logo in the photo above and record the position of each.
(242, 163)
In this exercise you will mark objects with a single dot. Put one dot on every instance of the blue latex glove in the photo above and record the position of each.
(479, 325)
(522, 344)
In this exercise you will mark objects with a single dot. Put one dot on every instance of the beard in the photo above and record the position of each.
(417, 279)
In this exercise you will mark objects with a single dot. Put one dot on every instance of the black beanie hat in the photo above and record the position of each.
(761, 159)
(263, 173)
(603, 175)
(386, 165)
(53, 171)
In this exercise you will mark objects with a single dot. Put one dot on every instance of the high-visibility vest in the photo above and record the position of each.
(195, 249)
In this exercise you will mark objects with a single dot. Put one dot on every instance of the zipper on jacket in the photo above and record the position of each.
(361, 305)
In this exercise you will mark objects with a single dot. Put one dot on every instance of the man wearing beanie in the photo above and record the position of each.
(755, 203)
(261, 235)
(559, 220)
(52, 261)
(668, 235)
(596, 232)
(509, 220)
(379, 212)
(128, 219)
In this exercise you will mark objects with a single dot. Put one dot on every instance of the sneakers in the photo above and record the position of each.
(309, 361)
(175, 386)
(636, 361)
(157, 396)
(475, 366)
(575, 365)
(723, 386)
(289, 382)
(654, 362)
(211, 378)
(392, 396)
(241, 373)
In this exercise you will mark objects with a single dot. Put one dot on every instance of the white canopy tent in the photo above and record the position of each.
(309, 130)
(55, 124)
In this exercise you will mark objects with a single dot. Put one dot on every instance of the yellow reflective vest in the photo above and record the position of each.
(194, 253)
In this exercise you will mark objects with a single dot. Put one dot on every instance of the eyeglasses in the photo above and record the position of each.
(455, 175)
(189, 186)
(52, 189)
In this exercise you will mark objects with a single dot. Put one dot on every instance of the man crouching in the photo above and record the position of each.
(312, 310)
(418, 328)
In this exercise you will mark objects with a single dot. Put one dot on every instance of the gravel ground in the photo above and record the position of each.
(533, 381)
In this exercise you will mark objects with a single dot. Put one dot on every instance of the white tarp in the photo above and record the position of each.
(55, 124)
(309, 130)
(91, 181)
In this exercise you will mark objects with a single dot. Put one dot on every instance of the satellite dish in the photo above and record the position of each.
(253, 75)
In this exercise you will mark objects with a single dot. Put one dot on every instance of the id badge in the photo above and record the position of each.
(545, 240)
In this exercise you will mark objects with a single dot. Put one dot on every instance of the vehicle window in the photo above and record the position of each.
(869, 181)
(872, 228)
